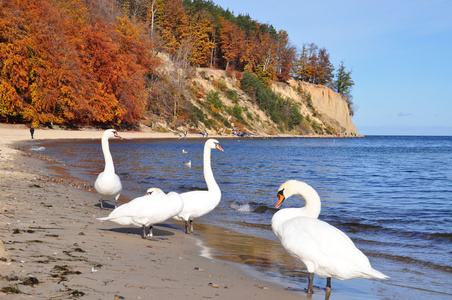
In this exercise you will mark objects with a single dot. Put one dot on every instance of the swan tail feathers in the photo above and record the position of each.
(372, 273)
(104, 219)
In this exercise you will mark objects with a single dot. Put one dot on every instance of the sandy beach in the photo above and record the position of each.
(52, 246)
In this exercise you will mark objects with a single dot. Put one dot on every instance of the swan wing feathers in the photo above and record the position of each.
(177, 202)
(149, 209)
(325, 250)
(198, 203)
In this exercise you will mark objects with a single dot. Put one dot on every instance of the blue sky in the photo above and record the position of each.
(399, 52)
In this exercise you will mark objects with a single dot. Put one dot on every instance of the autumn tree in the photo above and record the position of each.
(202, 35)
(285, 56)
(324, 68)
(251, 56)
(70, 62)
(172, 23)
(301, 65)
(232, 42)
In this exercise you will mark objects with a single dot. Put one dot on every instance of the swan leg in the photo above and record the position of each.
(328, 288)
(116, 201)
(191, 226)
(328, 285)
(186, 227)
(101, 204)
(310, 283)
(143, 231)
(150, 231)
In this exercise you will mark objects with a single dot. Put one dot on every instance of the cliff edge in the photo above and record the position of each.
(324, 112)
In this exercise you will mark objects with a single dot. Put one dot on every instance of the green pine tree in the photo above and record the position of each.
(343, 85)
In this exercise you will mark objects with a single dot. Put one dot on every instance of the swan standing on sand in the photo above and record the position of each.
(108, 185)
(324, 250)
(199, 203)
(155, 207)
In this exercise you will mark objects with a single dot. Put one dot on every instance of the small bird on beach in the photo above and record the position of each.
(324, 250)
(199, 203)
(108, 185)
(145, 211)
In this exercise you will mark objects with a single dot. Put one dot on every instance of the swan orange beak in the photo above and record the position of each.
(117, 135)
(219, 147)
(280, 201)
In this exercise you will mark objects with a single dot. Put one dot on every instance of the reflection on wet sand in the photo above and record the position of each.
(265, 256)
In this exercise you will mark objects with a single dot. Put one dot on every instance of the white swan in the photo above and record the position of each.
(324, 250)
(188, 163)
(199, 203)
(155, 207)
(108, 185)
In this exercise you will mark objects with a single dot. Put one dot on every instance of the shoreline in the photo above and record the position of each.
(53, 246)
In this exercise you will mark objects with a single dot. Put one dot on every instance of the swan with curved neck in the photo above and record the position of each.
(324, 250)
(199, 203)
(108, 185)
(155, 207)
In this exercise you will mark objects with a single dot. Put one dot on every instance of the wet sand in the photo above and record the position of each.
(52, 246)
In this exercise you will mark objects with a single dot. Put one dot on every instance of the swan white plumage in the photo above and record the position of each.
(324, 250)
(199, 203)
(155, 207)
(108, 185)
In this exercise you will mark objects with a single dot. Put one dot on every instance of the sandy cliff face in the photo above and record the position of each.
(328, 113)
(332, 106)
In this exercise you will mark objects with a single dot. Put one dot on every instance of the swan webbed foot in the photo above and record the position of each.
(310, 283)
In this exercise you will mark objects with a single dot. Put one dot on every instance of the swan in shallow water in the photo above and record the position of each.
(155, 207)
(324, 250)
(108, 185)
(199, 203)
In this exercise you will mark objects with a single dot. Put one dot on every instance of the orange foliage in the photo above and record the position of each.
(79, 62)
(201, 30)
(64, 63)
(173, 23)
(232, 41)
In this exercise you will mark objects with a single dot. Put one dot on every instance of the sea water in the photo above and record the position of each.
(391, 195)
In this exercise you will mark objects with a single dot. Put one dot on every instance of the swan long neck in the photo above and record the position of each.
(208, 174)
(313, 205)
(311, 209)
(109, 167)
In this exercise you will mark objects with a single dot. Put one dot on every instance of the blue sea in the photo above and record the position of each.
(392, 195)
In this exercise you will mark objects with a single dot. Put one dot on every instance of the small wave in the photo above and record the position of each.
(355, 226)
(445, 236)
(240, 207)
(37, 148)
(411, 260)
(249, 207)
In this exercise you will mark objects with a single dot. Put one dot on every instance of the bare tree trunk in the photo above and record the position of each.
(153, 10)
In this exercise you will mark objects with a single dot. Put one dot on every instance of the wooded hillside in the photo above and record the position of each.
(111, 63)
